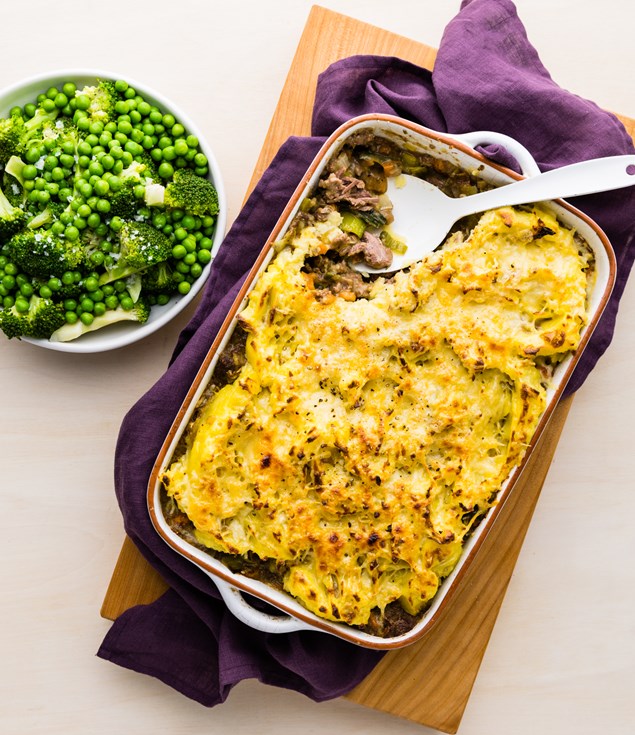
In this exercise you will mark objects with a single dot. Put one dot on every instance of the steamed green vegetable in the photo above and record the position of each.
(106, 210)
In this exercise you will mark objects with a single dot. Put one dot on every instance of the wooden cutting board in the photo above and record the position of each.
(430, 681)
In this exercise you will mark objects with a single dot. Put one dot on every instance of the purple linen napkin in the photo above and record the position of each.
(486, 76)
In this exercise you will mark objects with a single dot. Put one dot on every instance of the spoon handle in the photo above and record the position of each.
(586, 177)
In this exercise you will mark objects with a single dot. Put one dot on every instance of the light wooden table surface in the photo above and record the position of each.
(561, 659)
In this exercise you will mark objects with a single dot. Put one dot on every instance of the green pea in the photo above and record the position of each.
(26, 289)
(169, 154)
(100, 308)
(124, 128)
(133, 148)
(177, 130)
(71, 233)
(103, 206)
(84, 210)
(111, 302)
(121, 85)
(91, 283)
(61, 100)
(159, 220)
(101, 187)
(166, 170)
(179, 252)
(45, 292)
(122, 107)
(21, 305)
(183, 288)
(29, 172)
(204, 256)
(71, 317)
(87, 318)
(32, 154)
(180, 147)
(82, 101)
(126, 303)
(200, 159)
(54, 284)
(94, 220)
(196, 270)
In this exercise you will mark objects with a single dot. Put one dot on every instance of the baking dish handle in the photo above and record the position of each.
(528, 165)
(257, 619)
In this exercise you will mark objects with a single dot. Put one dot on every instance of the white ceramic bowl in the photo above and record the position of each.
(124, 333)
(459, 150)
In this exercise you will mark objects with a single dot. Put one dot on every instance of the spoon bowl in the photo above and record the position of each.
(423, 214)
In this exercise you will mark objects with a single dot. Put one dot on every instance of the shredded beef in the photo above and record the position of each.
(348, 190)
(372, 251)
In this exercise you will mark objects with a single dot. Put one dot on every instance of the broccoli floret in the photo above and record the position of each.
(141, 246)
(39, 320)
(12, 218)
(11, 134)
(16, 133)
(159, 279)
(13, 191)
(41, 253)
(101, 100)
(68, 332)
(191, 193)
(125, 201)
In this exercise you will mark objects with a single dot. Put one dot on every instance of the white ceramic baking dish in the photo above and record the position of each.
(292, 616)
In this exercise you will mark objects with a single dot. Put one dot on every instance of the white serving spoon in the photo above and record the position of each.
(423, 215)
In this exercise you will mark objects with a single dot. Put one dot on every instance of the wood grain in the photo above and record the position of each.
(430, 681)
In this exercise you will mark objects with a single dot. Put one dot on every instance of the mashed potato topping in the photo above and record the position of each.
(363, 438)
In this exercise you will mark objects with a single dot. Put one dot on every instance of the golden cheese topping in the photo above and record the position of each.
(363, 438)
